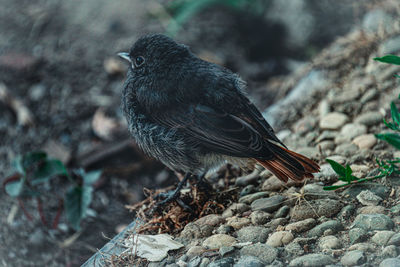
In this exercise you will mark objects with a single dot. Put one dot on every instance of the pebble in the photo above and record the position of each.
(371, 210)
(225, 262)
(346, 149)
(394, 240)
(274, 184)
(351, 130)
(326, 173)
(365, 141)
(323, 108)
(382, 237)
(282, 212)
(270, 204)
(294, 249)
(280, 238)
(237, 222)
(224, 229)
(218, 240)
(247, 190)
(253, 234)
(305, 124)
(301, 226)
(390, 251)
(372, 222)
(366, 247)
(315, 208)
(333, 121)
(225, 250)
(248, 179)
(195, 262)
(395, 209)
(369, 95)
(353, 258)
(347, 211)
(318, 230)
(195, 251)
(235, 208)
(262, 251)
(205, 262)
(308, 151)
(369, 118)
(390, 262)
(326, 145)
(367, 198)
(260, 217)
(376, 188)
(357, 235)
(250, 198)
(329, 242)
(249, 261)
(312, 260)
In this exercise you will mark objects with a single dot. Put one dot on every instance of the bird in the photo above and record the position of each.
(194, 116)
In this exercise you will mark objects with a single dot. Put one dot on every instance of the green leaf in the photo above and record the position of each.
(391, 59)
(77, 201)
(339, 169)
(91, 177)
(395, 113)
(14, 188)
(391, 138)
(47, 170)
(397, 76)
(30, 159)
(349, 171)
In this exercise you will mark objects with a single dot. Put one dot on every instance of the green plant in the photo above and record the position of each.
(385, 168)
(34, 172)
(183, 10)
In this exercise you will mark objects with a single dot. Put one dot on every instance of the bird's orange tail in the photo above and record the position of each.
(289, 164)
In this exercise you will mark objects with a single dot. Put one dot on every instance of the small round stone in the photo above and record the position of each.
(353, 258)
(218, 240)
(329, 242)
(280, 238)
(365, 141)
(333, 121)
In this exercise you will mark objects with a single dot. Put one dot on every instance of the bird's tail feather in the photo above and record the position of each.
(288, 164)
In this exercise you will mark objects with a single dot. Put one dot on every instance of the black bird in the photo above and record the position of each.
(194, 116)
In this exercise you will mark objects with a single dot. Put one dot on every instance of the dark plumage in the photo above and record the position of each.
(193, 115)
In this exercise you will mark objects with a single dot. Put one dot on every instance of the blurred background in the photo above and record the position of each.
(60, 87)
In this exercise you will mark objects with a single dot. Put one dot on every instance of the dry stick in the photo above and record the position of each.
(26, 213)
(40, 210)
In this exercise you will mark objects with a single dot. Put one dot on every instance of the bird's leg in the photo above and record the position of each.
(172, 195)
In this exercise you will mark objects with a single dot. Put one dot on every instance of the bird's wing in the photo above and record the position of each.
(216, 130)
(253, 116)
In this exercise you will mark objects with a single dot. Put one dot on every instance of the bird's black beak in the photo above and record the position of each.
(125, 56)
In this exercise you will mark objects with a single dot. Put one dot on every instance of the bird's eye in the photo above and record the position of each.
(139, 61)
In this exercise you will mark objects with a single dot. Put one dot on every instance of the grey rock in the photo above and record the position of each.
(218, 240)
(195, 262)
(369, 118)
(310, 152)
(377, 188)
(249, 261)
(315, 208)
(305, 124)
(316, 191)
(235, 208)
(394, 240)
(346, 149)
(270, 204)
(312, 260)
(369, 95)
(250, 198)
(323, 108)
(390, 262)
(224, 229)
(326, 145)
(329, 242)
(262, 251)
(327, 135)
(225, 250)
(282, 212)
(248, 179)
(366, 247)
(280, 238)
(365, 141)
(260, 217)
(326, 173)
(318, 230)
(349, 131)
(294, 249)
(225, 262)
(382, 237)
(204, 262)
(195, 251)
(367, 198)
(275, 263)
(390, 251)
(376, 18)
(333, 121)
(391, 46)
(301, 226)
(247, 190)
(395, 209)
(253, 234)
(357, 235)
(372, 222)
(353, 258)
(347, 211)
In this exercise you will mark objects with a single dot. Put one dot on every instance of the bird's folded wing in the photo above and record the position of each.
(216, 130)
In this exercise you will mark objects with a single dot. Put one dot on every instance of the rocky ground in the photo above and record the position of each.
(344, 97)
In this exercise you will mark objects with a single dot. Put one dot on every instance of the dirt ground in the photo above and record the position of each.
(59, 59)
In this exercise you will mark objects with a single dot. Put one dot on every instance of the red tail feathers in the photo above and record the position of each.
(289, 164)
